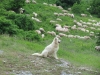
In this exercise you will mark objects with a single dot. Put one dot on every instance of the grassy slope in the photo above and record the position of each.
(17, 55)
(78, 52)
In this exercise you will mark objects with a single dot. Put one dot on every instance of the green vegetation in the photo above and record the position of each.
(95, 7)
(98, 40)
(80, 8)
(66, 3)
(18, 39)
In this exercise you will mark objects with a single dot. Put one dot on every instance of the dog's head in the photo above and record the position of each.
(57, 40)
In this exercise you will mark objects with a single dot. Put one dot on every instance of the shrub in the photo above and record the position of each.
(66, 3)
(80, 8)
(24, 22)
(28, 35)
(98, 40)
(4, 4)
(31, 36)
(2, 12)
(6, 27)
(95, 7)
(15, 5)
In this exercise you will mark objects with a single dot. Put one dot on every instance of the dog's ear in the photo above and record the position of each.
(55, 38)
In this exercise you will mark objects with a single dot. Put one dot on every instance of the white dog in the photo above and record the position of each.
(50, 50)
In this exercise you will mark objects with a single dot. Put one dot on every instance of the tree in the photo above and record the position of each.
(66, 3)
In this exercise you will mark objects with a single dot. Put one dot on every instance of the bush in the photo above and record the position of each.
(11, 15)
(66, 3)
(24, 22)
(98, 40)
(95, 7)
(4, 4)
(20, 25)
(28, 35)
(2, 12)
(6, 27)
(31, 36)
(80, 8)
(15, 5)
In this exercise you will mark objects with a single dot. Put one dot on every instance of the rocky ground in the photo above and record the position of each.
(33, 65)
(49, 66)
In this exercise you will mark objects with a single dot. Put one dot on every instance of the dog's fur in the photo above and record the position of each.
(50, 50)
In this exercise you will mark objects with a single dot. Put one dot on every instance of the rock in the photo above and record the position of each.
(79, 73)
(63, 64)
(1, 52)
(22, 73)
(64, 73)
(4, 61)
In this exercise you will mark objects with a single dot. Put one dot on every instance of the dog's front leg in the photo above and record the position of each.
(55, 55)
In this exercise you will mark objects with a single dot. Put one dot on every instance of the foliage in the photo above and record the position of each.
(12, 23)
(80, 8)
(24, 22)
(66, 3)
(15, 5)
(2, 12)
(4, 4)
(6, 27)
(46, 1)
(10, 15)
(95, 7)
(98, 40)
(32, 35)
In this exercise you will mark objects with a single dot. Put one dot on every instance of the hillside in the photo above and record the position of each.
(16, 59)
(77, 54)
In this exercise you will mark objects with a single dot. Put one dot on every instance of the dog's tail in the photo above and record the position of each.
(37, 54)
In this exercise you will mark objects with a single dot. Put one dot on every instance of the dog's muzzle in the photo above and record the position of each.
(59, 41)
